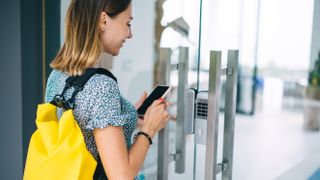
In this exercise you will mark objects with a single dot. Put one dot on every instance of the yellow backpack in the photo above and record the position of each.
(57, 150)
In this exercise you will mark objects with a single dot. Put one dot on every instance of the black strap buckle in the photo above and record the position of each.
(61, 102)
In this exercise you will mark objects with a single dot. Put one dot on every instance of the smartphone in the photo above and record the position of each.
(159, 92)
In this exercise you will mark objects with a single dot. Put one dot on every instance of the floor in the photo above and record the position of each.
(271, 144)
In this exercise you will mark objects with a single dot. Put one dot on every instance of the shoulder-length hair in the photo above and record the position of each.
(82, 47)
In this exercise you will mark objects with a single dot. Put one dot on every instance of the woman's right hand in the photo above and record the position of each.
(156, 117)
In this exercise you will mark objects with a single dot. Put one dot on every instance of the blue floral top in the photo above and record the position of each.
(98, 105)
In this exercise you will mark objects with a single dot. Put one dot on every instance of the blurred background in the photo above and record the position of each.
(278, 91)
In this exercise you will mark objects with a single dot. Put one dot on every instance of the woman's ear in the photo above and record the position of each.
(103, 21)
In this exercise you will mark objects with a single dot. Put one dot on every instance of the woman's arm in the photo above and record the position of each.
(117, 161)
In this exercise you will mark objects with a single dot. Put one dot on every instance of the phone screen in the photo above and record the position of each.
(157, 93)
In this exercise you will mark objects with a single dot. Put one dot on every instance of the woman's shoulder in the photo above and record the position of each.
(102, 79)
(56, 76)
(54, 84)
(97, 79)
(101, 84)
(97, 85)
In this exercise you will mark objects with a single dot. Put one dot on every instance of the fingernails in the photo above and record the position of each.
(161, 99)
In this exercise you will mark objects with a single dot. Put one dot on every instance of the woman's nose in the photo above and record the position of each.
(130, 34)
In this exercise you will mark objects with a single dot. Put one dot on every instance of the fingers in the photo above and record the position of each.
(166, 115)
(144, 95)
(142, 98)
(157, 102)
(168, 103)
(139, 123)
(166, 118)
(148, 110)
(161, 102)
(157, 116)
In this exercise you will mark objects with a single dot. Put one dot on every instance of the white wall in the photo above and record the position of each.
(134, 66)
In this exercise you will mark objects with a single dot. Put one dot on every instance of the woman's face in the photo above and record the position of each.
(115, 31)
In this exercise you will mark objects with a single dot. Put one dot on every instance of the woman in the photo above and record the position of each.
(106, 119)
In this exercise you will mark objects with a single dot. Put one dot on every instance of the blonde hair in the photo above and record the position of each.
(82, 47)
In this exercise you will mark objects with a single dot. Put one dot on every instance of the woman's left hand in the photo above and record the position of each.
(137, 105)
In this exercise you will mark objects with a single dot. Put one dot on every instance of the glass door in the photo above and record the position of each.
(274, 48)
(274, 53)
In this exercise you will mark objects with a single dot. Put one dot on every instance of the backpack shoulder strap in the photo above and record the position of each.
(78, 83)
